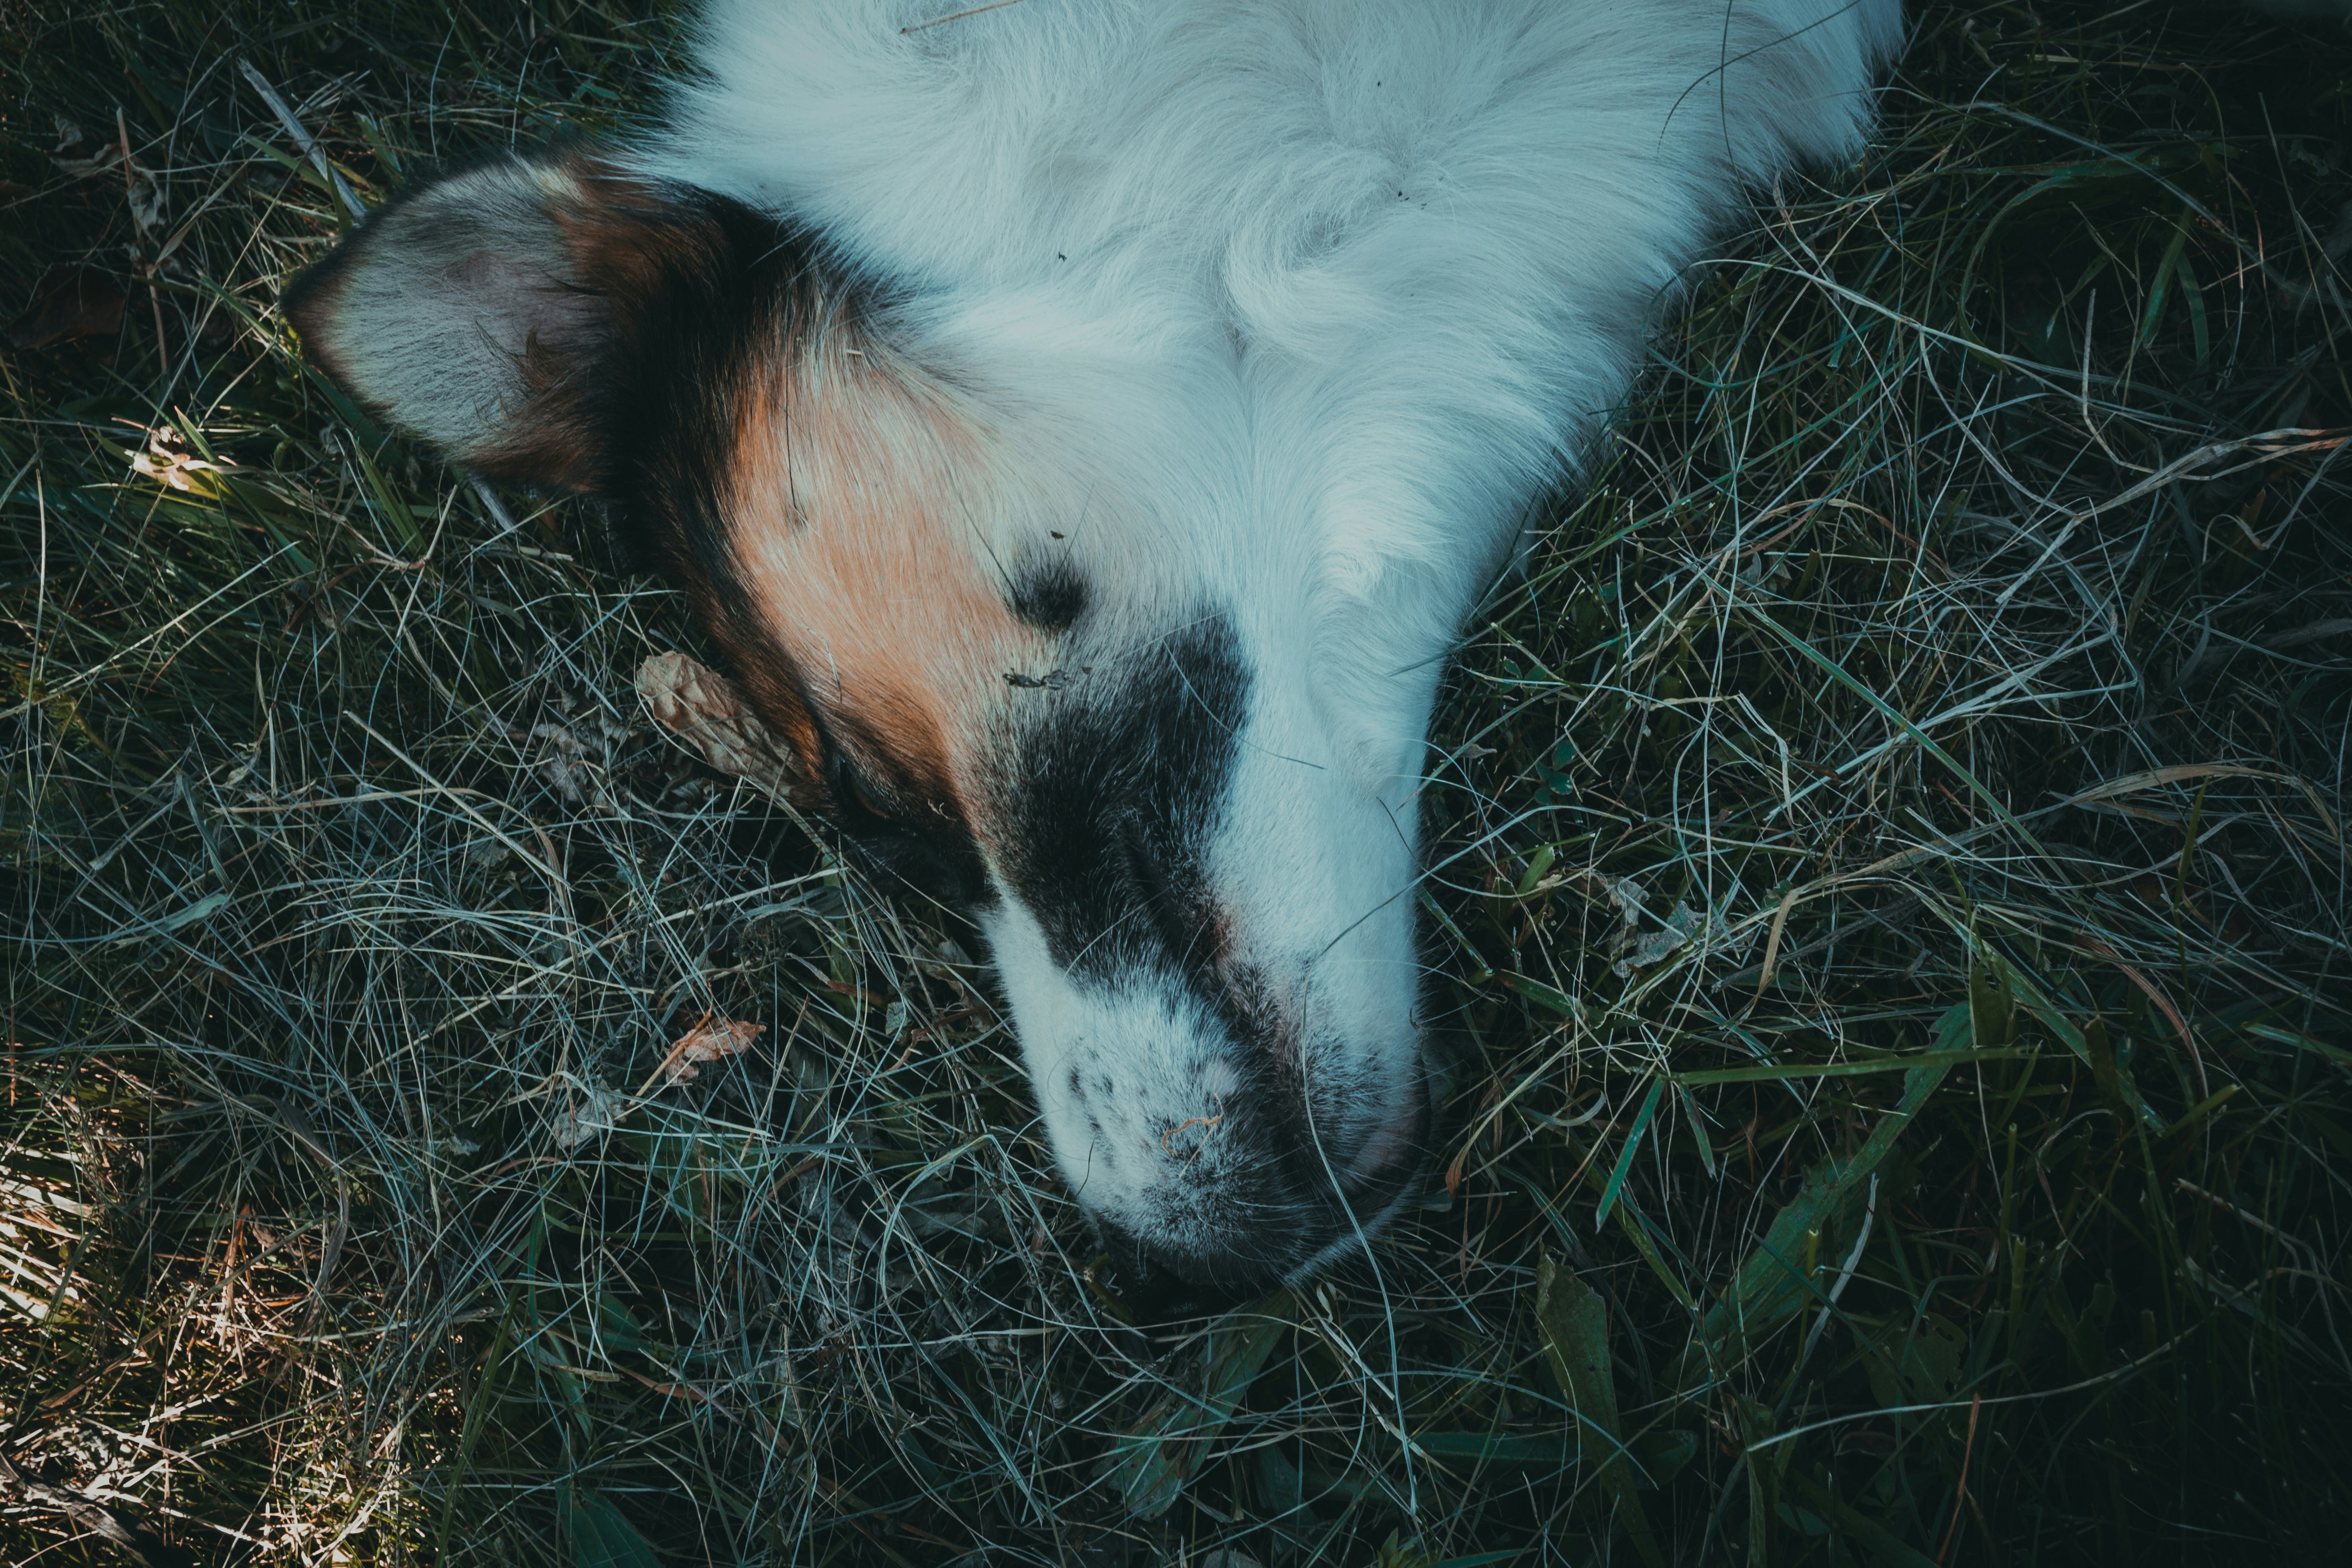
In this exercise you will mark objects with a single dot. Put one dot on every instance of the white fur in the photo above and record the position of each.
(1324, 293)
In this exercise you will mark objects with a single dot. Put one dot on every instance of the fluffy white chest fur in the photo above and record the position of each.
(1085, 423)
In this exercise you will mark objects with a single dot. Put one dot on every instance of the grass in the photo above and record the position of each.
(1887, 915)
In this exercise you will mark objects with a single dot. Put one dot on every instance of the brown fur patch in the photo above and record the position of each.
(853, 503)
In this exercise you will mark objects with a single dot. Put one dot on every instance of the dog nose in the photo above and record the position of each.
(1269, 1204)
(1204, 1269)
(1160, 1287)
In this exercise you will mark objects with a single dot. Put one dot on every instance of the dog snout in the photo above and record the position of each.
(1206, 1242)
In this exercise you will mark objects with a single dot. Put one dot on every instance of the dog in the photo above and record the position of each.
(1082, 426)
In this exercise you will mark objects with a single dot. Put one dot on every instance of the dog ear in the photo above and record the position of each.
(495, 310)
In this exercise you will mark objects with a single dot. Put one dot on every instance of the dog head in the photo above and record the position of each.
(1089, 707)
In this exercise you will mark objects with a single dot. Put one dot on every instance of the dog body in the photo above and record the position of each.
(1083, 424)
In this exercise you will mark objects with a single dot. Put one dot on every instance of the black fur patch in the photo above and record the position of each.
(1109, 802)
(921, 846)
(730, 298)
(1050, 596)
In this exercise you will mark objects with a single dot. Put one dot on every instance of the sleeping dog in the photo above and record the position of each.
(1082, 426)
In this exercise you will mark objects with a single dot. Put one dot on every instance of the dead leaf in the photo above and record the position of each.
(710, 1039)
(703, 708)
(592, 1113)
(147, 203)
(1684, 926)
(91, 167)
(70, 302)
(168, 461)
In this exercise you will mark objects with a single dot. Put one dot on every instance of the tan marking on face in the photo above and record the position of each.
(858, 502)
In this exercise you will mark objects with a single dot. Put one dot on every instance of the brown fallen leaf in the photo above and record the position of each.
(69, 302)
(168, 461)
(702, 708)
(709, 1039)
